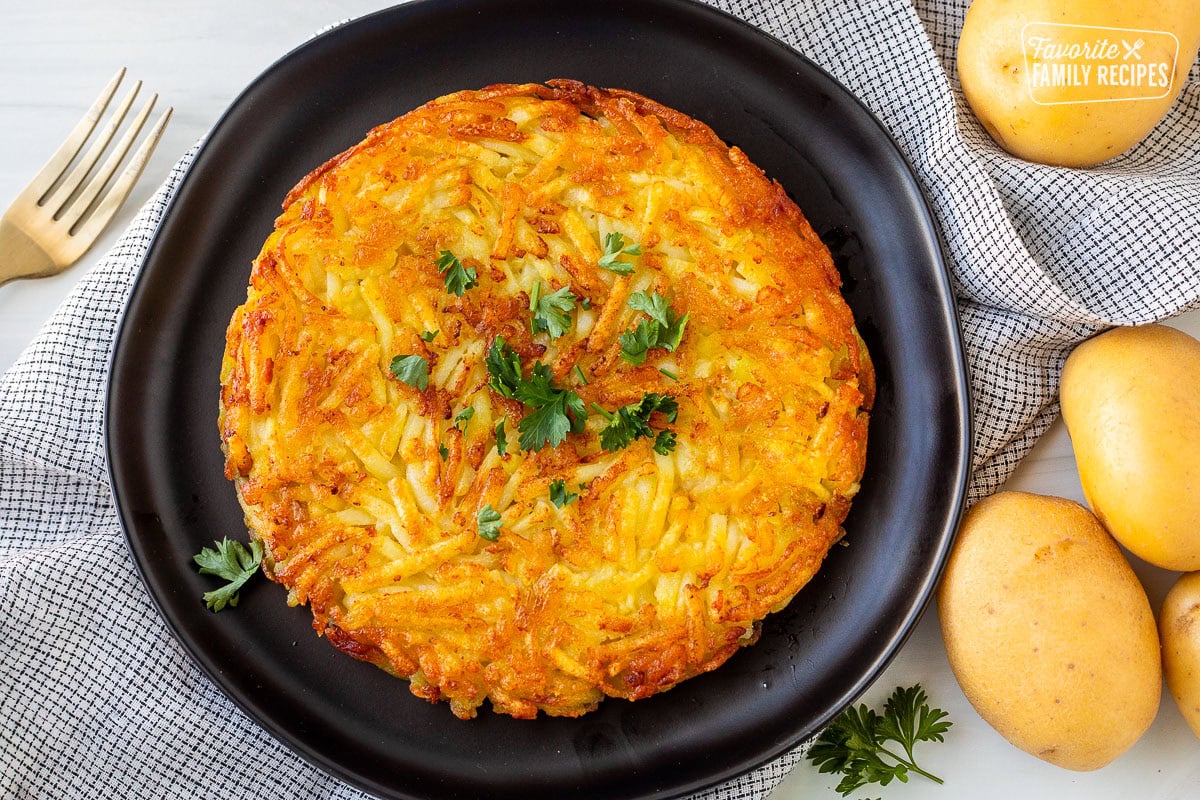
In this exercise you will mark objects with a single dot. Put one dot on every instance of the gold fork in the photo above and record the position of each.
(48, 227)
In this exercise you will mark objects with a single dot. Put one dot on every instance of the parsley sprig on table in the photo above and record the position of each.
(232, 561)
(614, 248)
(663, 328)
(853, 745)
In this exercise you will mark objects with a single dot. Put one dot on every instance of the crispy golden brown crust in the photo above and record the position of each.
(666, 564)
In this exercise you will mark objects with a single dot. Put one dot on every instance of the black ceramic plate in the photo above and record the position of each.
(350, 718)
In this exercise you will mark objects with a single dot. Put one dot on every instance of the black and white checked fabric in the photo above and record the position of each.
(97, 699)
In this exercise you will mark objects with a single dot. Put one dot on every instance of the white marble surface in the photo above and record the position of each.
(55, 57)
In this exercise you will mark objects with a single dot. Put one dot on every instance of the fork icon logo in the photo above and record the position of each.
(1131, 50)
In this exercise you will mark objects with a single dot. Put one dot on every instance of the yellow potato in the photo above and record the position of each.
(1042, 101)
(1048, 631)
(1179, 627)
(1131, 402)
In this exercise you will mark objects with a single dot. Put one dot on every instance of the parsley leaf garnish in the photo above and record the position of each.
(460, 421)
(501, 438)
(664, 328)
(635, 343)
(632, 422)
(456, 277)
(552, 312)
(548, 425)
(664, 443)
(614, 248)
(853, 745)
(557, 411)
(413, 370)
(233, 562)
(443, 451)
(488, 521)
(539, 389)
(504, 368)
(429, 336)
(559, 494)
(655, 306)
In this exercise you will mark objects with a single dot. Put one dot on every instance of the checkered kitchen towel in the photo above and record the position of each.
(96, 698)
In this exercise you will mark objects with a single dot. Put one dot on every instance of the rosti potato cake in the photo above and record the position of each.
(542, 394)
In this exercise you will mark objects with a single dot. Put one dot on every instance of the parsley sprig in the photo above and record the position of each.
(853, 745)
(614, 248)
(456, 277)
(551, 312)
(501, 437)
(556, 411)
(232, 561)
(663, 328)
(559, 495)
(488, 523)
(632, 422)
(412, 369)
(504, 368)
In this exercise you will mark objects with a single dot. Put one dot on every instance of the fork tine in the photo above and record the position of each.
(98, 181)
(61, 159)
(116, 195)
(57, 202)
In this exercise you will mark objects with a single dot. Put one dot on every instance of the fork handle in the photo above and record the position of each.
(20, 257)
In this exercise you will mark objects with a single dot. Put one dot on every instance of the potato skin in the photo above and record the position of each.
(991, 68)
(1179, 628)
(1131, 402)
(1048, 630)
